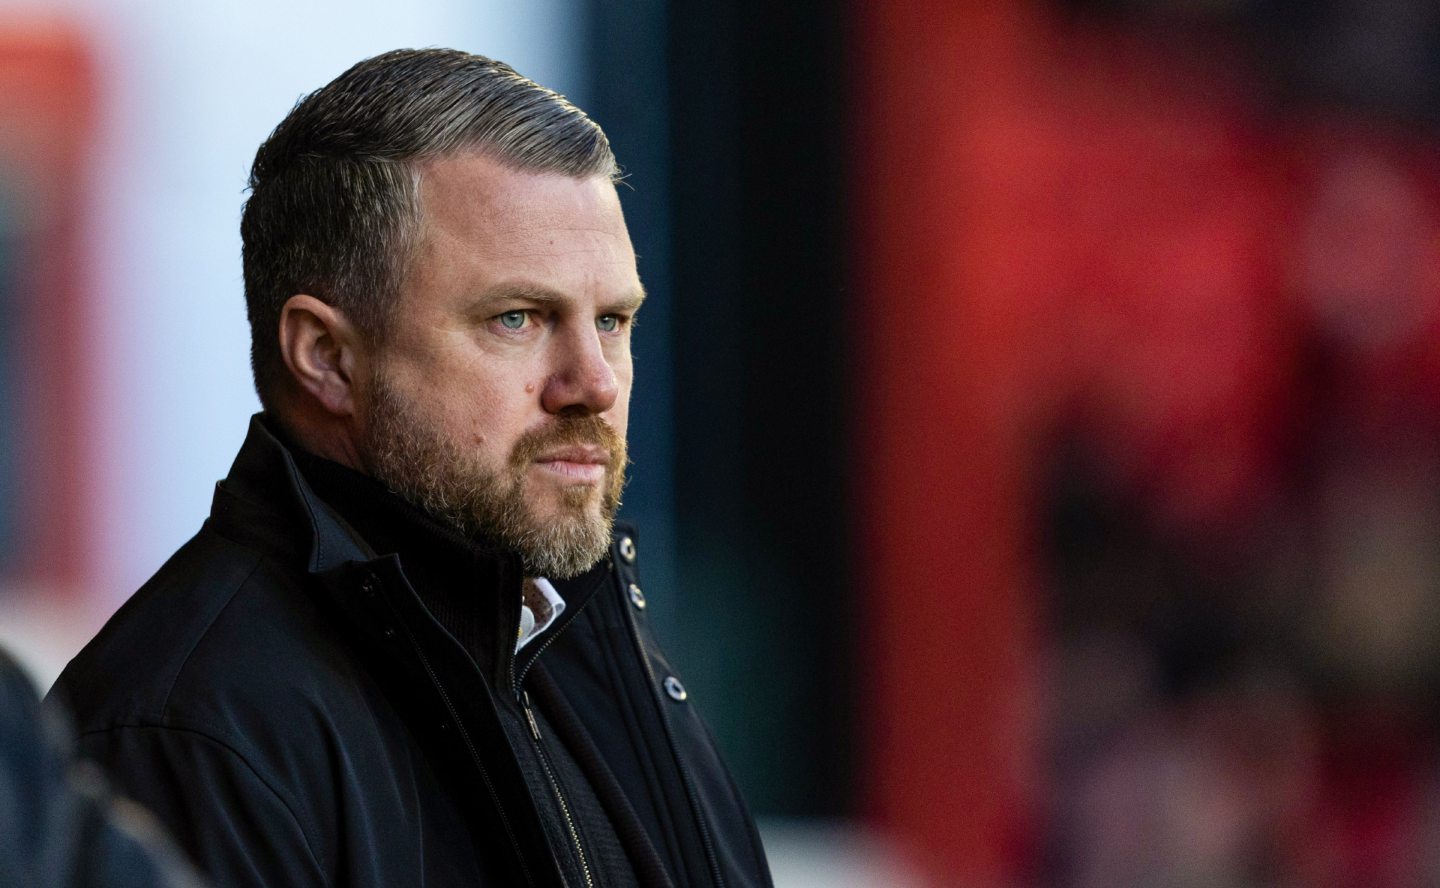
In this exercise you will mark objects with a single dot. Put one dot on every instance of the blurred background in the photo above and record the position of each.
(1037, 425)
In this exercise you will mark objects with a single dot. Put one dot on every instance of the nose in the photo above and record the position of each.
(583, 379)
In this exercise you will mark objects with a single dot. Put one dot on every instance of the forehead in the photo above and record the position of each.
(488, 232)
(475, 209)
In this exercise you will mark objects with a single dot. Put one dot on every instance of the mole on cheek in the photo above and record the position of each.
(529, 388)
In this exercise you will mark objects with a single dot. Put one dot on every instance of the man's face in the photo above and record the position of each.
(500, 397)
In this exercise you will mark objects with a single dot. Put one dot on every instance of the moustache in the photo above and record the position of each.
(589, 430)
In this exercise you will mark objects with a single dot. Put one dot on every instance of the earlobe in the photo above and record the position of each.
(318, 344)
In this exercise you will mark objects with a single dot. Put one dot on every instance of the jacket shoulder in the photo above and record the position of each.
(219, 624)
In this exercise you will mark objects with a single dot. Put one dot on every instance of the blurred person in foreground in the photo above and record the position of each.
(59, 826)
(409, 646)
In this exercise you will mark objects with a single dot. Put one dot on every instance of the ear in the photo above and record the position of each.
(321, 348)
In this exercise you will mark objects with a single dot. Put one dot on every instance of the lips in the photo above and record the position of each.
(591, 456)
(578, 464)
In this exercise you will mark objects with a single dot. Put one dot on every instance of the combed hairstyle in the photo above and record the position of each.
(334, 207)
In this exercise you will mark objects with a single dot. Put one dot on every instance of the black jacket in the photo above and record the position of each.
(282, 699)
(59, 826)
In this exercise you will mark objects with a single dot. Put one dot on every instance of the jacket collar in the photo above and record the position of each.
(266, 502)
(438, 558)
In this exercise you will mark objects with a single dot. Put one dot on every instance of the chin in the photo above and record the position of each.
(566, 501)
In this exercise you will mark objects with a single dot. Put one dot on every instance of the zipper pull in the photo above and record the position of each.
(530, 716)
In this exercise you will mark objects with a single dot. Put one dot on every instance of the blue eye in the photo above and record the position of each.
(513, 320)
(608, 323)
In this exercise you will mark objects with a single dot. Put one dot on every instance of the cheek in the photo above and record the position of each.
(623, 379)
(491, 424)
(619, 415)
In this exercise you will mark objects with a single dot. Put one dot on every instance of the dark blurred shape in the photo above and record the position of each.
(1377, 56)
(762, 376)
(1382, 55)
(762, 605)
(59, 826)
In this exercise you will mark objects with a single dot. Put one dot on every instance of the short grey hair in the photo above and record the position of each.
(334, 198)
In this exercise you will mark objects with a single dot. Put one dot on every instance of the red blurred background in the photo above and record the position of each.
(1149, 455)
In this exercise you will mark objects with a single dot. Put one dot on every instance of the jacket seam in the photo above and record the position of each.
(267, 782)
(210, 624)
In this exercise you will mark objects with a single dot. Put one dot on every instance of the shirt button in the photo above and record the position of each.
(675, 689)
(627, 550)
(637, 597)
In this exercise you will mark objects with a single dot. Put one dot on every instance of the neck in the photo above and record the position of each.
(333, 438)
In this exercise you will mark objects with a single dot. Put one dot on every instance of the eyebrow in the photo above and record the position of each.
(630, 302)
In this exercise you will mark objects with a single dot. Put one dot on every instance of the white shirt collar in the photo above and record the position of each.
(531, 623)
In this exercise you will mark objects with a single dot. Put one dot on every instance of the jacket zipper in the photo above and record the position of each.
(555, 787)
(523, 698)
(474, 754)
(685, 777)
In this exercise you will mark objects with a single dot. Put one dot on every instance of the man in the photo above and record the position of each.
(407, 648)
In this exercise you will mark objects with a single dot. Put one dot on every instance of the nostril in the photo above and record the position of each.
(583, 380)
